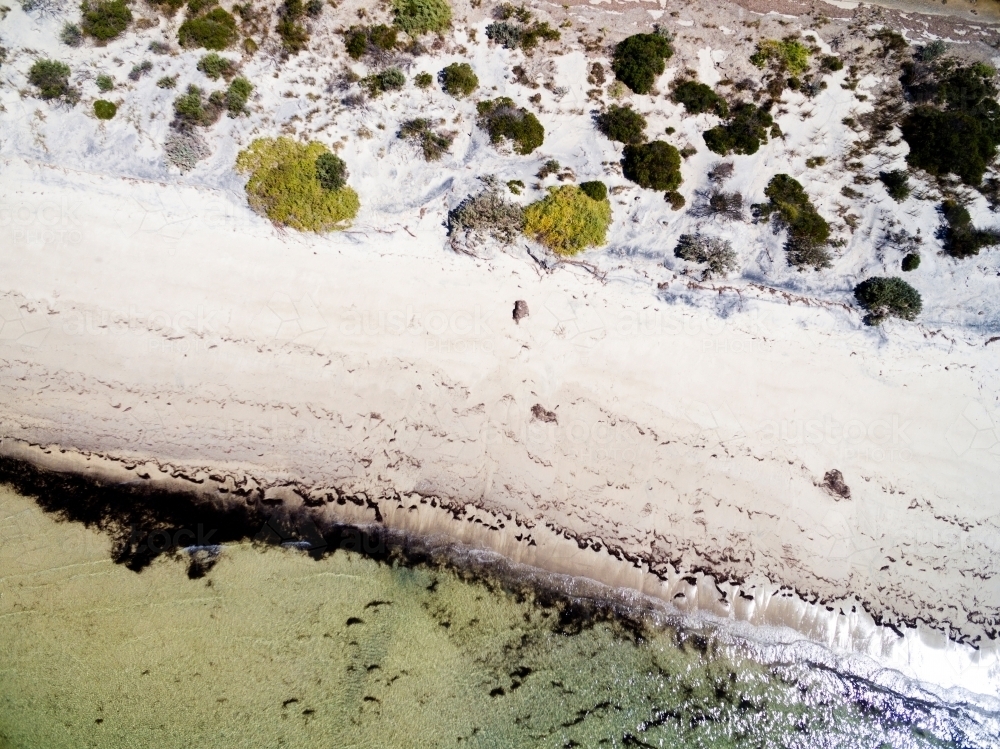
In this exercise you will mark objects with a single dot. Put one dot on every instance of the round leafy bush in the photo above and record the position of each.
(568, 220)
(501, 118)
(655, 165)
(961, 238)
(331, 171)
(948, 142)
(789, 54)
(596, 190)
(911, 262)
(417, 17)
(197, 6)
(896, 184)
(214, 30)
(697, 98)
(105, 19)
(434, 144)
(104, 110)
(423, 80)
(640, 59)
(675, 199)
(284, 186)
(360, 40)
(887, 297)
(191, 109)
(50, 77)
(237, 96)
(743, 133)
(105, 83)
(390, 79)
(808, 232)
(622, 124)
(216, 66)
(459, 79)
(71, 35)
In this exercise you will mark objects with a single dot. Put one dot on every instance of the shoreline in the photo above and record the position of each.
(169, 502)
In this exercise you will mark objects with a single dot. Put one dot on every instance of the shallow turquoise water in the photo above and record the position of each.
(273, 648)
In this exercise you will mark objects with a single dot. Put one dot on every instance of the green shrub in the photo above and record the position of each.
(622, 124)
(197, 6)
(932, 51)
(505, 34)
(887, 297)
(458, 79)
(284, 186)
(360, 40)
(832, 63)
(911, 262)
(697, 98)
(104, 110)
(549, 167)
(961, 238)
(216, 66)
(948, 142)
(390, 79)
(655, 165)
(51, 78)
(808, 232)
(595, 190)
(433, 144)
(237, 96)
(568, 220)
(105, 83)
(744, 132)
(527, 37)
(896, 184)
(486, 215)
(788, 54)
(502, 119)
(516, 186)
(417, 17)
(214, 30)
(191, 109)
(139, 70)
(892, 41)
(423, 80)
(331, 171)
(294, 36)
(167, 81)
(675, 199)
(71, 35)
(105, 19)
(640, 59)
(314, 8)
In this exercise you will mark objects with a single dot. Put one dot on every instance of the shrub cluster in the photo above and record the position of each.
(51, 78)
(293, 33)
(104, 110)
(527, 37)
(216, 66)
(364, 40)
(808, 232)
(417, 17)
(655, 165)
(568, 220)
(486, 215)
(640, 59)
(459, 79)
(104, 83)
(285, 185)
(433, 144)
(961, 238)
(331, 171)
(896, 183)
(789, 54)
(213, 30)
(743, 133)
(390, 79)
(71, 35)
(105, 19)
(503, 119)
(184, 149)
(715, 252)
(958, 130)
(887, 297)
(237, 96)
(139, 70)
(698, 97)
(192, 109)
(622, 124)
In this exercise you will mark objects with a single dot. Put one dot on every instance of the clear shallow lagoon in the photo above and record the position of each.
(275, 649)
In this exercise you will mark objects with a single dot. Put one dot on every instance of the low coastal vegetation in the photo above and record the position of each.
(715, 253)
(291, 27)
(885, 297)
(640, 59)
(285, 185)
(390, 79)
(432, 143)
(459, 79)
(105, 19)
(962, 239)
(214, 30)
(361, 41)
(622, 124)
(487, 215)
(504, 120)
(215, 66)
(569, 219)
(655, 165)
(808, 232)
(789, 54)
(897, 184)
(51, 80)
(697, 98)
(744, 131)
(104, 110)
(417, 17)
(514, 28)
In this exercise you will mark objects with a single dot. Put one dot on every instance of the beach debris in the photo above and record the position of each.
(520, 310)
(833, 482)
(539, 413)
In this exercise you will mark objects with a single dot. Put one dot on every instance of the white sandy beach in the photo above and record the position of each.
(152, 320)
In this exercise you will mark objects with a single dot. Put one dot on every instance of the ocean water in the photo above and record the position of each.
(266, 646)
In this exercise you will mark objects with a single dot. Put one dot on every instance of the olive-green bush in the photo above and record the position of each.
(237, 96)
(104, 110)
(808, 232)
(216, 66)
(285, 186)
(294, 35)
(655, 165)
(214, 30)
(390, 79)
(459, 79)
(503, 119)
(433, 144)
(622, 124)
(961, 238)
(105, 83)
(51, 78)
(743, 133)
(698, 97)
(911, 262)
(104, 19)
(417, 17)
(568, 220)
(331, 171)
(640, 59)
(595, 189)
(896, 184)
(361, 40)
(885, 297)
(789, 54)
(192, 109)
